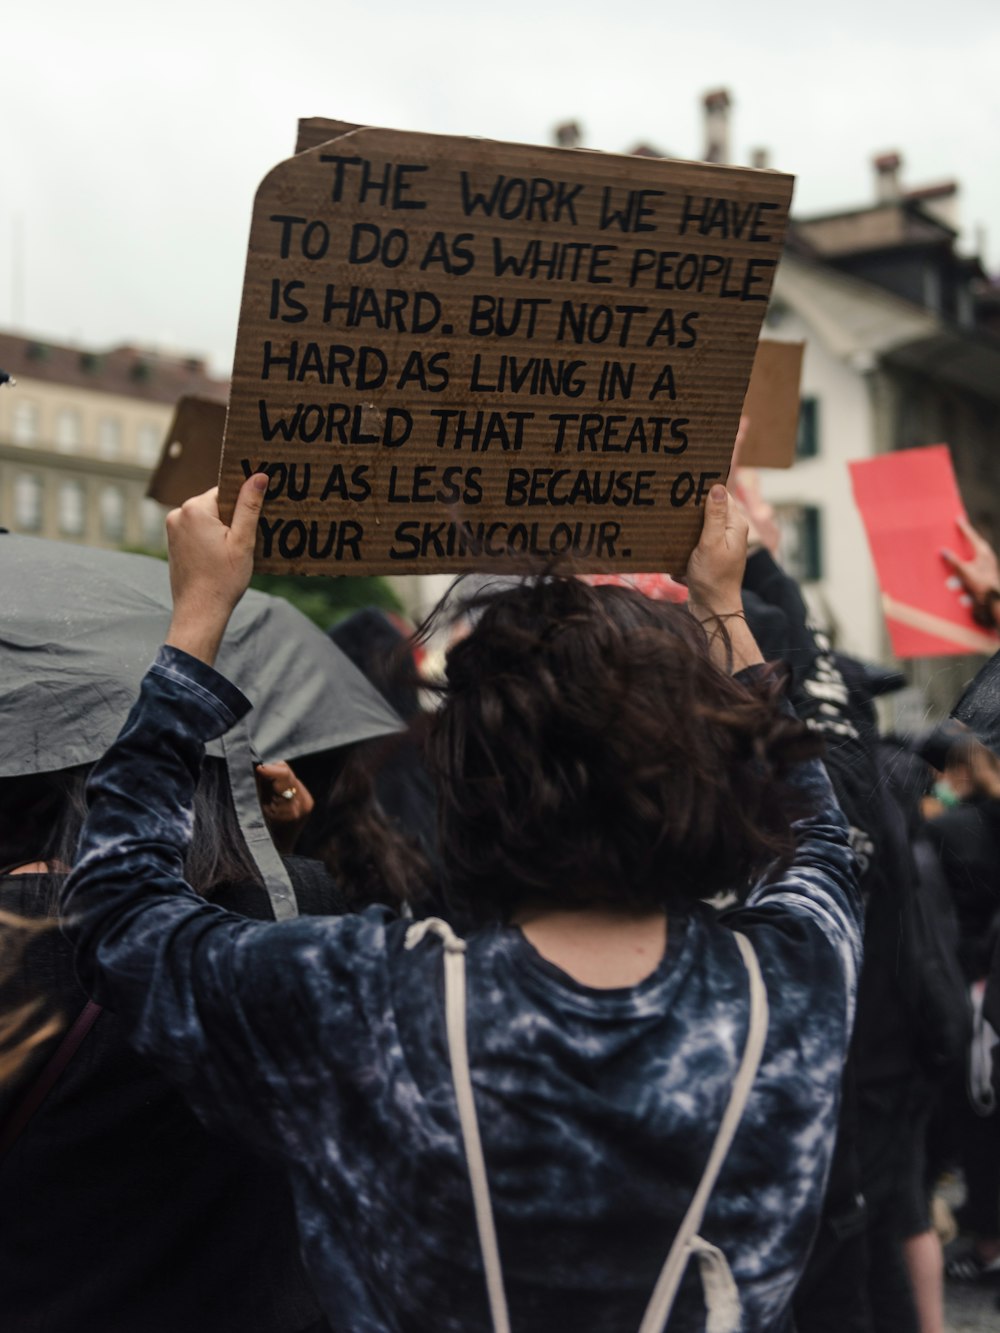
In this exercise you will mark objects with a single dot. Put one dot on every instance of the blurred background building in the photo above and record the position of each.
(81, 433)
(902, 348)
(899, 353)
(902, 335)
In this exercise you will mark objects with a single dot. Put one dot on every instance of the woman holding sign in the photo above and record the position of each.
(607, 1102)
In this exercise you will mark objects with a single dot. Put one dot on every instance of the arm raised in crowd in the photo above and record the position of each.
(207, 994)
(821, 882)
(234, 1011)
(714, 575)
(980, 576)
(183, 975)
(210, 566)
(823, 697)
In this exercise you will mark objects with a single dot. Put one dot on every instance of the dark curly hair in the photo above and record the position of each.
(371, 857)
(588, 752)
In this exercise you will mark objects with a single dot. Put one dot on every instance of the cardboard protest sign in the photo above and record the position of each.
(772, 405)
(314, 130)
(189, 460)
(909, 501)
(452, 352)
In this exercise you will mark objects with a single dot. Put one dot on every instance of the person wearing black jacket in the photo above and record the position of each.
(966, 837)
(857, 1280)
(119, 1211)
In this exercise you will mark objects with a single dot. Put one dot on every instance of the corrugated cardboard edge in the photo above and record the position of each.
(772, 405)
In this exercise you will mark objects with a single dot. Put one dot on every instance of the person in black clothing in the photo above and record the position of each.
(965, 833)
(876, 1208)
(836, 1293)
(964, 829)
(119, 1211)
(380, 649)
(979, 710)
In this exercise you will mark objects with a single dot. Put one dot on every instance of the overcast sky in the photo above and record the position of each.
(135, 135)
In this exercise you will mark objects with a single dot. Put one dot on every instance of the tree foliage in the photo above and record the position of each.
(327, 600)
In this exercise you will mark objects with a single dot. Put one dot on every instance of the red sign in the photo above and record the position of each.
(909, 501)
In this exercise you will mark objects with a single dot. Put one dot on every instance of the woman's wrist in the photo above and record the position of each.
(714, 606)
(197, 631)
(743, 649)
(731, 642)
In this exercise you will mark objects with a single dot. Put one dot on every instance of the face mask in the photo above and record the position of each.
(945, 794)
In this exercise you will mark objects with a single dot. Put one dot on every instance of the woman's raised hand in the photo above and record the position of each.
(715, 580)
(715, 570)
(210, 565)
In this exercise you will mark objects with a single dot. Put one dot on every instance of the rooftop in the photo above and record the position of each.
(876, 227)
(131, 372)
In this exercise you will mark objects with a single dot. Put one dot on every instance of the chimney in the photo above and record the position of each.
(760, 159)
(888, 189)
(716, 106)
(568, 135)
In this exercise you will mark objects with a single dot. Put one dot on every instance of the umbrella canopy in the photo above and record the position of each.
(979, 706)
(78, 628)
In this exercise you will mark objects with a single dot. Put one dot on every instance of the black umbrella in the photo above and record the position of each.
(78, 628)
(979, 706)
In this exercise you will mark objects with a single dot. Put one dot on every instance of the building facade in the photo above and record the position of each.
(80, 433)
(902, 349)
(896, 358)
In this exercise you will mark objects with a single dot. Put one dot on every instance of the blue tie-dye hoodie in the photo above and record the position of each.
(321, 1041)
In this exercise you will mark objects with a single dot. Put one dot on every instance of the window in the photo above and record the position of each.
(24, 423)
(150, 440)
(72, 509)
(113, 513)
(807, 440)
(109, 437)
(151, 519)
(69, 430)
(801, 541)
(28, 491)
(931, 284)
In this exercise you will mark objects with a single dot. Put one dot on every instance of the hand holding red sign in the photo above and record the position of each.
(908, 502)
(980, 576)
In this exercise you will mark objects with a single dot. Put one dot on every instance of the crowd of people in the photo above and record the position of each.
(640, 983)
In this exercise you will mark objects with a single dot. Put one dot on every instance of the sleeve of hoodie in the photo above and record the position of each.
(232, 1010)
(821, 697)
(819, 694)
